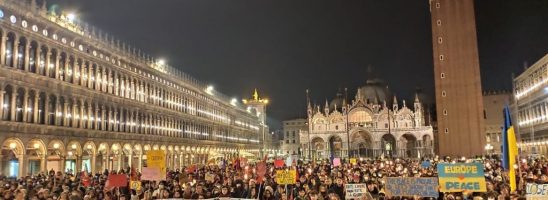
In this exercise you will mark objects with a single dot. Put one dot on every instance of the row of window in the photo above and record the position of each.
(32, 106)
(533, 114)
(21, 54)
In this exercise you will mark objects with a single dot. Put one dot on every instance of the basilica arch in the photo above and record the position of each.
(361, 143)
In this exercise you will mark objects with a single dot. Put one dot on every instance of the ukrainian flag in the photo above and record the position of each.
(509, 148)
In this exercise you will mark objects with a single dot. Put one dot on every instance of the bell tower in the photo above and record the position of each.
(258, 104)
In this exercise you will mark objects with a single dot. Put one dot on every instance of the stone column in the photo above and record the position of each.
(2, 92)
(140, 164)
(47, 63)
(37, 64)
(65, 120)
(78, 167)
(4, 39)
(43, 160)
(1, 166)
(81, 120)
(36, 109)
(26, 58)
(93, 160)
(13, 103)
(22, 165)
(24, 110)
(15, 55)
(74, 120)
(130, 159)
(89, 115)
(57, 58)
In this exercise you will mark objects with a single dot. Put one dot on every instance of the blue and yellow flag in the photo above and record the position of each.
(509, 148)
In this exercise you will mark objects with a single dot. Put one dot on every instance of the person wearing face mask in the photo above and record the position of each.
(158, 192)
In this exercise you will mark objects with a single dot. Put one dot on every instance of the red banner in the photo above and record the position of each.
(278, 163)
(117, 180)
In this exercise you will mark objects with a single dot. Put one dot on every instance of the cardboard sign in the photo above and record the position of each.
(151, 174)
(336, 162)
(117, 180)
(136, 185)
(425, 164)
(353, 161)
(355, 191)
(157, 159)
(409, 186)
(536, 191)
(461, 176)
(278, 163)
(209, 177)
(286, 176)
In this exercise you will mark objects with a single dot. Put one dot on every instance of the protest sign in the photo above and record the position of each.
(336, 162)
(286, 176)
(289, 161)
(278, 163)
(459, 177)
(157, 159)
(425, 164)
(151, 174)
(410, 186)
(209, 177)
(355, 191)
(536, 191)
(117, 180)
(353, 161)
(136, 185)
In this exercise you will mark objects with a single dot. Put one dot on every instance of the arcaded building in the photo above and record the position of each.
(530, 108)
(372, 124)
(74, 98)
(459, 103)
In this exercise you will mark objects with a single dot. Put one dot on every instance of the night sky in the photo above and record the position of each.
(283, 47)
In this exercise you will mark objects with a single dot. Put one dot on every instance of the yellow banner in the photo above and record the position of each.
(353, 161)
(157, 159)
(286, 176)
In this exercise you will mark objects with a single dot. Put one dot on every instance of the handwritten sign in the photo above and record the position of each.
(409, 186)
(209, 177)
(336, 162)
(425, 164)
(278, 163)
(461, 176)
(157, 159)
(286, 176)
(355, 191)
(136, 185)
(353, 161)
(536, 191)
(151, 174)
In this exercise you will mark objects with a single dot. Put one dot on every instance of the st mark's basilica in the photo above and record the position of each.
(373, 124)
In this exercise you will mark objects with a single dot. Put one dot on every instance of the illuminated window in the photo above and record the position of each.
(442, 75)
(442, 57)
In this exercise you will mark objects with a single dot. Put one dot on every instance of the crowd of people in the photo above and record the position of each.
(316, 181)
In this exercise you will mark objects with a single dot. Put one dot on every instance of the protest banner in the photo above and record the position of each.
(336, 162)
(117, 180)
(410, 186)
(353, 161)
(289, 161)
(536, 191)
(459, 177)
(157, 159)
(136, 185)
(286, 176)
(151, 174)
(355, 191)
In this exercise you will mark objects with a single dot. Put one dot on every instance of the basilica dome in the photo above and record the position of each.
(375, 90)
